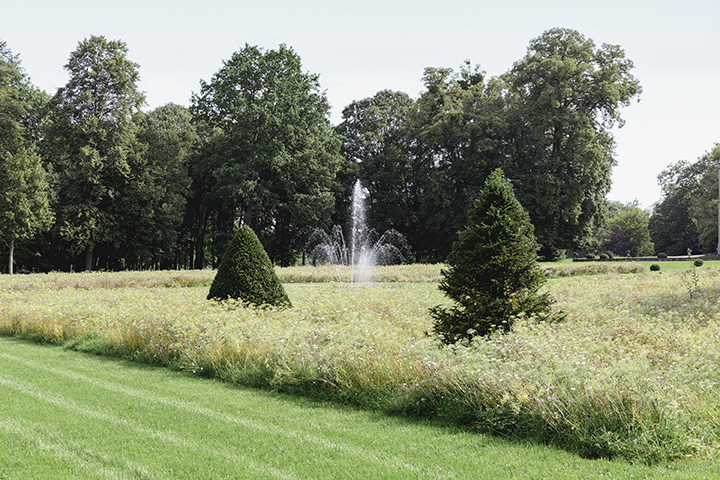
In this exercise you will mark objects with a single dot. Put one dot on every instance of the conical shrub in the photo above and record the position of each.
(246, 273)
(492, 274)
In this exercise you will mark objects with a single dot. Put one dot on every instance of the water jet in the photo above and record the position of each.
(365, 248)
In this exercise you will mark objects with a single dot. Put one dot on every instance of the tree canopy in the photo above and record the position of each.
(165, 188)
(546, 122)
(687, 215)
(89, 140)
(564, 96)
(24, 190)
(627, 231)
(271, 153)
(375, 137)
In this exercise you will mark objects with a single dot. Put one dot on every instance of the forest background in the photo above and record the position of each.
(90, 180)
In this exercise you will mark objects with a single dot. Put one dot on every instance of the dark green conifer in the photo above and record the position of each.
(493, 274)
(246, 273)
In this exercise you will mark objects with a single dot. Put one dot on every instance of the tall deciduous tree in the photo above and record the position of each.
(671, 227)
(687, 216)
(152, 203)
(627, 231)
(24, 202)
(376, 139)
(565, 95)
(24, 207)
(271, 152)
(458, 129)
(89, 141)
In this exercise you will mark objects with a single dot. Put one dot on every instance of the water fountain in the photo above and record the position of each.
(365, 250)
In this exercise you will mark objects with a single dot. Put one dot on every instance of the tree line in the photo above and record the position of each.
(89, 180)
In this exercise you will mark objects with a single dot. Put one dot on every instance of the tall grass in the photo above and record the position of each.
(194, 278)
(298, 274)
(631, 372)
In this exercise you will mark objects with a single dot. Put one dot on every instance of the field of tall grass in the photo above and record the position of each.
(630, 373)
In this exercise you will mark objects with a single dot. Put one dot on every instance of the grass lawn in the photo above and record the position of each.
(71, 415)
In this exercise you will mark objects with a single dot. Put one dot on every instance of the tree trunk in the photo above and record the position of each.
(11, 260)
(199, 260)
(88, 259)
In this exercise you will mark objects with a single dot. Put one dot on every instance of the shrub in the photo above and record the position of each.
(662, 255)
(698, 263)
(246, 273)
(590, 256)
(610, 254)
(493, 274)
(654, 267)
(604, 256)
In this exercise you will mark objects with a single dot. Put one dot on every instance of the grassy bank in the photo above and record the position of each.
(631, 373)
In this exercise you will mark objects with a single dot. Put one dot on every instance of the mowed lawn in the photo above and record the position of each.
(66, 414)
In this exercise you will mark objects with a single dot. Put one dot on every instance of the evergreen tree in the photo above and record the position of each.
(246, 273)
(493, 274)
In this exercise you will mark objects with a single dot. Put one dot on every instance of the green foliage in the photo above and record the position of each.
(492, 275)
(24, 198)
(547, 123)
(654, 267)
(377, 139)
(565, 95)
(687, 215)
(662, 255)
(458, 128)
(246, 273)
(627, 230)
(89, 142)
(269, 154)
(671, 227)
(24, 189)
(698, 262)
(152, 202)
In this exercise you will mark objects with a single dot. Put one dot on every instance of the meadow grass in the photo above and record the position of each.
(631, 372)
(298, 274)
(84, 416)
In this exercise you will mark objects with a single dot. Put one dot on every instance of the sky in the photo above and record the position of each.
(359, 48)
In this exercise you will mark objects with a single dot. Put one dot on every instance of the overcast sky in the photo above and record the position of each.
(359, 48)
